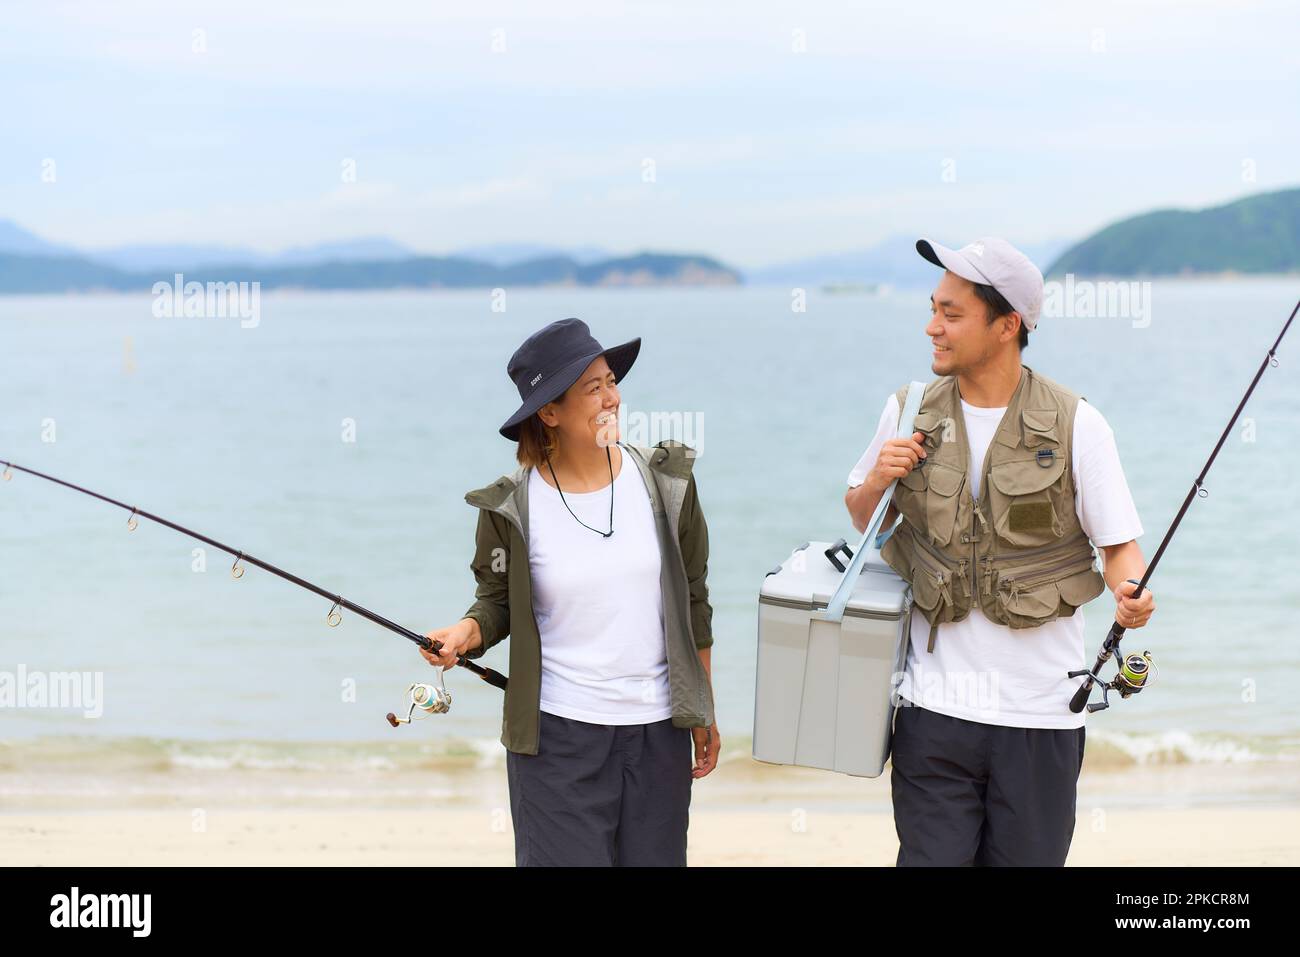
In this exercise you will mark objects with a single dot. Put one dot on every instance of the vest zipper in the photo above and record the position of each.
(1044, 549)
(938, 569)
(937, 565)
(939, 559)
(1041, 577)
(1047, 576)
(933, 563)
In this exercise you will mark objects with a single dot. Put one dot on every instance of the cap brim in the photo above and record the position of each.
(951, 260)
(620, 359)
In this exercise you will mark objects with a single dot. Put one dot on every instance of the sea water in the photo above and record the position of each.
(337, 438)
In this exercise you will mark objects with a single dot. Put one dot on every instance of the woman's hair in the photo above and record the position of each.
(536, 440)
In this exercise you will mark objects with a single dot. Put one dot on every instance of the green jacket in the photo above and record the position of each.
(504, 596)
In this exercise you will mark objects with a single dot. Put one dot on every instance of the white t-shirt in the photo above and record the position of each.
(598, 602)
(987, 672)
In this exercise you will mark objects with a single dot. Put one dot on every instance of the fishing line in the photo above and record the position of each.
(335, 616)
(1132, 673)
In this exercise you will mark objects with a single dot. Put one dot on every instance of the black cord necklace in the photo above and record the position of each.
(609, 457)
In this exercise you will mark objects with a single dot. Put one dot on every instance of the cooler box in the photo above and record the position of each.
(832, 646)
(825, 695)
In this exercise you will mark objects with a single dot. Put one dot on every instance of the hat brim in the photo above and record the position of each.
(951, 260)
(620, 359)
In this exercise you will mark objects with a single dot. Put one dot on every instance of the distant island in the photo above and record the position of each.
(43, 274)
(1258, 234)
(29, 265)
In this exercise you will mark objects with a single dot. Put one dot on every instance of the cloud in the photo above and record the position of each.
(359, 194)
(760, 153)
(487, 192)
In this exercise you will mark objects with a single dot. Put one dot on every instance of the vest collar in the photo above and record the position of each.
(1010, 431)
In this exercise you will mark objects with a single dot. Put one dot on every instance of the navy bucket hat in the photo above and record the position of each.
(551, 359)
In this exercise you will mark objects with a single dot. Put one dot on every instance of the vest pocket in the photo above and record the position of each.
(1035, 602)
(1079, 589)
(941, 502)
(928, 423)
(932, 586)
(915, 479)
(1039, 428)
(1024, 497)
(1028, 606)
(910, 496)
(932, 427)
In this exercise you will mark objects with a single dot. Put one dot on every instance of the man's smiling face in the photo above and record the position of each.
(960, 333)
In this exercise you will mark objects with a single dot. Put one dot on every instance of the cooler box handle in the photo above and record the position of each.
(835, 607)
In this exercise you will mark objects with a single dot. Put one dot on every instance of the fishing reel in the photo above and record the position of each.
(1133, 675)
(423, 700)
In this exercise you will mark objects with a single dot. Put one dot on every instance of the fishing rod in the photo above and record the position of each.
(1135, 669)
(425, 698)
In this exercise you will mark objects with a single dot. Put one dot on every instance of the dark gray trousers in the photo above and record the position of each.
(600, 795)
(967, 793)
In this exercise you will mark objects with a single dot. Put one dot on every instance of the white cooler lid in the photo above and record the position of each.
(878, 592)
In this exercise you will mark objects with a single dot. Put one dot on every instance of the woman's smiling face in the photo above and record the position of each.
(587, 413)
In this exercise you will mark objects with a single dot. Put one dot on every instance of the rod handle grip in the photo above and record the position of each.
(1084, 692)
(1080, 699)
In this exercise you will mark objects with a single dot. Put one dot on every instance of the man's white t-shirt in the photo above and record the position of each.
(986, 672)
(599, 602)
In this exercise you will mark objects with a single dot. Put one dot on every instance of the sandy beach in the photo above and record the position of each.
(1260, 836)
(457, 813)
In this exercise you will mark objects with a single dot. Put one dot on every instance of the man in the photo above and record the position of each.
(1005, 486)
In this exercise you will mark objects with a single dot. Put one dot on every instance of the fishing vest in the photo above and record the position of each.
(1018, 552)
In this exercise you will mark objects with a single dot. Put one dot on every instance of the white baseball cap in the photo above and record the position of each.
(994, 262)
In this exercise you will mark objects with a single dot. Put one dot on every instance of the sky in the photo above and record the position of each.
(757, 132)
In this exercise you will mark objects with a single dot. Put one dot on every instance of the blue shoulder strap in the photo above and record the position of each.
(835, 607)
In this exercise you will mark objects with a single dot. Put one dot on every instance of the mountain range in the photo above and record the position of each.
(894, 261)
(30, 264)
(1257, 234)
(173, 256)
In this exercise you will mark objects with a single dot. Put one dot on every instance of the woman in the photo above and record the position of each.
(592, 556)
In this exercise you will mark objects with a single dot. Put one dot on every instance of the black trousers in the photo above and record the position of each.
(600, 795)
(967, 793)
